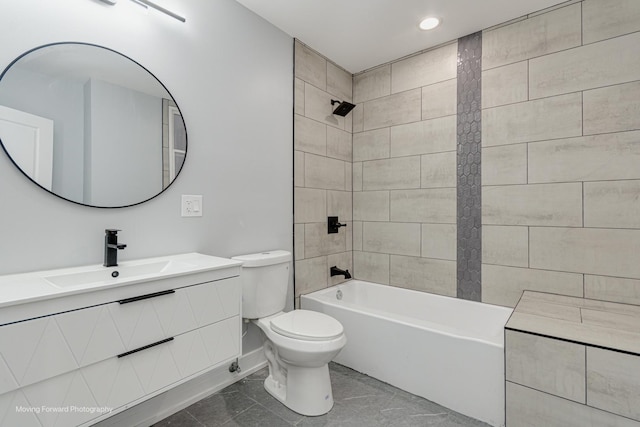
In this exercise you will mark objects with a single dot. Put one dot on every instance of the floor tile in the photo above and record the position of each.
(359, 401)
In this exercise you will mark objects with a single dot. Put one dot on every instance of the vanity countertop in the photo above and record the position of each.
(43, 285)
(604, 324)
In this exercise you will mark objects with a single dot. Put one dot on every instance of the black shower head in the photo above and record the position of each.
(343, 109)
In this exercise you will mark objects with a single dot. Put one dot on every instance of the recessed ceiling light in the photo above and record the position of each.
(429, 23)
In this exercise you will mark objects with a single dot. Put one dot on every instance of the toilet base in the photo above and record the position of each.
(307, 390)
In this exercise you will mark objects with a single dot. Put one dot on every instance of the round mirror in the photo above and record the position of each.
(90, 125)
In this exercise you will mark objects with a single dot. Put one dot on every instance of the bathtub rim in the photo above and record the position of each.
(407, 320)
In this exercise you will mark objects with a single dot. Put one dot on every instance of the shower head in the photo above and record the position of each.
(343, 109)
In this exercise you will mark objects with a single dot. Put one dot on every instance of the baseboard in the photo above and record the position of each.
(159, 407)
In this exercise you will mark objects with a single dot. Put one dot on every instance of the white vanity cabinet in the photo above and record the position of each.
(69, 368)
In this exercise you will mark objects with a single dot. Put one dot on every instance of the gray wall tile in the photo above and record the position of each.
(504, 285)
(298, 95)
(357, 176)
(605, 19)
(553, 366)
(357, 116)
(311, 275)
(505, 164)
(439, 241)
(505, 85)
(614, 289)
(323, 172)
(612, 204)
(424, 69)
(438, 170)
(612, 109)
(317, 106)
(371, 267)
(339, 144)
(339, 204)
(505, 245)
(613, 382)
(424, 274)
(357, 235)
(298, 168)
(534, 204)
(348, 174)
(586, 67)
(403, 107)
(439, 99)
(371, 206)
(309, 135)
(372, 84)
(391, 238)
(605, 252)
(310, 67)
(528, 407)
(298, 233)
(339, 82)
(548, 118)
(371, 145)
(550, 32)
(349, 235)
(390, 174)
(428, 136)
(310, 205)
(437, 205)
(318, 242)
(590, 158)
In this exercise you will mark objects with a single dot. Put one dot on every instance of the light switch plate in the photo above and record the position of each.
(191, 205)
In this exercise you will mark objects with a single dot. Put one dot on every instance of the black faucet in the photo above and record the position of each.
(111, 247)
(335, 271)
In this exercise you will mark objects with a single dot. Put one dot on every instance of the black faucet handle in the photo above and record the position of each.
(111, 230)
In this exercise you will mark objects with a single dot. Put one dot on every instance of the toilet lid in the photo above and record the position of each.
(307, 325)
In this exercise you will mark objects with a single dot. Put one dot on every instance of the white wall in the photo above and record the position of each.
(126, 145)
(231, 74)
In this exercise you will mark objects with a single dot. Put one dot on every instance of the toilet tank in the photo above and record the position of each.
(265, 280)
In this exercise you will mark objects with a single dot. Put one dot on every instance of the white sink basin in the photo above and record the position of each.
(119, 273)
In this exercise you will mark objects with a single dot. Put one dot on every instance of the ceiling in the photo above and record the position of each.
(360, 34)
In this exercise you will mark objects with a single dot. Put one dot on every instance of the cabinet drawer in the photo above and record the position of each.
(143, 321)
(120, 380)
(53, 345)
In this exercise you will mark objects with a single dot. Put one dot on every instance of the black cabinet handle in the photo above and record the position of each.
(145, 347)
(143, 297)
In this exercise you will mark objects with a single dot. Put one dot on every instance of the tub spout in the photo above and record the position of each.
(335, 271)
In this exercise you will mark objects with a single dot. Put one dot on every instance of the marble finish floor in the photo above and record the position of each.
(360, 401)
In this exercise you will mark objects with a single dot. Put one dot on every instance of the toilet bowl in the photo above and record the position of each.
(298, 344)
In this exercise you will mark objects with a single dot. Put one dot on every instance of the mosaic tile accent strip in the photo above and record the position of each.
(469, 218)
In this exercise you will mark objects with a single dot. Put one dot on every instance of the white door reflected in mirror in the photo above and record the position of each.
(29, 139)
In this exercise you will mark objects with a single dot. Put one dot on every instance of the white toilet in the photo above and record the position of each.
(299, 344)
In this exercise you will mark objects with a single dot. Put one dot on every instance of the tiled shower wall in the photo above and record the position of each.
(561, 154)
(404, 172)
(322, 171)
(560, 168)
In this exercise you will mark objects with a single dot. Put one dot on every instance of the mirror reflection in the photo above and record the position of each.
(90, 125)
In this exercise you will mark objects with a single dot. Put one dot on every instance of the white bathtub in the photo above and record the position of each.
(447, 350)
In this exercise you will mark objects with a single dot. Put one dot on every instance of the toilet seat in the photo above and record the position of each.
(306, 325)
